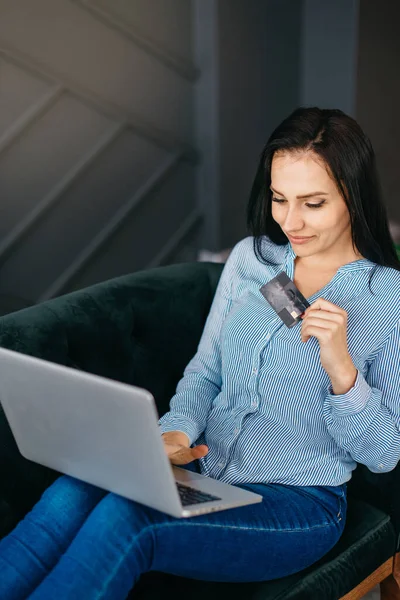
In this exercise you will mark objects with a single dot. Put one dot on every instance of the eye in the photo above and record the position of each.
(316, 205)
(281, 200)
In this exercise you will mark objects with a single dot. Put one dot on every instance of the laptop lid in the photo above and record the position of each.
(87, 426)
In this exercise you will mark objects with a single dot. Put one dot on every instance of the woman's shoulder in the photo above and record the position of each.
(385, 288)
(386, 281)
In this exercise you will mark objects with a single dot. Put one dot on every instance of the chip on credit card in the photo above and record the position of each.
(284, 297)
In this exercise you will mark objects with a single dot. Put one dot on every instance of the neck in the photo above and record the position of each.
(328, 262)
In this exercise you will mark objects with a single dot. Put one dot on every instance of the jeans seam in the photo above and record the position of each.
(132, 543)
(240, 528)
(341, 499)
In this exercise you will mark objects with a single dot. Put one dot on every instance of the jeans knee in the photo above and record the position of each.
(70, 494)
(123, 514)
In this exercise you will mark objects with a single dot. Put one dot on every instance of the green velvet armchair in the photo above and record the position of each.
(143, 329)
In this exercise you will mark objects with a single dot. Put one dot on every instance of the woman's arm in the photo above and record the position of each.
(202, 379)
(365, 421)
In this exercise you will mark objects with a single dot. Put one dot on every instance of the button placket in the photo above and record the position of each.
(257, 357)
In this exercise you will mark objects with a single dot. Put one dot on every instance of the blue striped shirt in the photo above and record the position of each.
(259, 397)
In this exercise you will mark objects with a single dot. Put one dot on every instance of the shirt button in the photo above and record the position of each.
(254, 404)
(236, 430)
(267, 336)
(221, 464)
(380, 466)
(254, 370)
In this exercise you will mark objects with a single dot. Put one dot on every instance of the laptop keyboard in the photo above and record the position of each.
(190, 495)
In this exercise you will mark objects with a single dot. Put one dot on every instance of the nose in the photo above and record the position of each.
(293, 221)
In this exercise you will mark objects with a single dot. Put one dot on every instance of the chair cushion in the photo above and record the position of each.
(367, 541)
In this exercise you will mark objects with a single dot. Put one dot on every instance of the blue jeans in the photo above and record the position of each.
(82, 542)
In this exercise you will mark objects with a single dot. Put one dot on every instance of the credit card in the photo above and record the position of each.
(284, 297)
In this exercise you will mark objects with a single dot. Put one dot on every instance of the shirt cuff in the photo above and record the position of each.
(180, 423)
(354, 401)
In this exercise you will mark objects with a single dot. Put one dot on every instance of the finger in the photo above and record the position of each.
(178, 449)
(319, 312)
(187, 455)
(322, 334)
(322, 304)
(199, 451)
(329, 327)
(323, 316)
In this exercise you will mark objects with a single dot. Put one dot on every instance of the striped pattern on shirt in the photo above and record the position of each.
(259, 397)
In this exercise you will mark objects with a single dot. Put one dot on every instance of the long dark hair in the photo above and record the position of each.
(342, 145)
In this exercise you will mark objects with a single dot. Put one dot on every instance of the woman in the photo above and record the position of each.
(286, 412)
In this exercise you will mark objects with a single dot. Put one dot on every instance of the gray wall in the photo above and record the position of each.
(259, 56)
(378, 91)
(97, 147)
(329, 54)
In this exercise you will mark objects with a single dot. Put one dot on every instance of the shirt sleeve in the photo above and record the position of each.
(366, 420)
(202, 379)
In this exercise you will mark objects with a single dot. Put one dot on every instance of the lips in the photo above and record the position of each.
(299, 240)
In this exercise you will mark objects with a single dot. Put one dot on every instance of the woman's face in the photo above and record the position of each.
(307, 204)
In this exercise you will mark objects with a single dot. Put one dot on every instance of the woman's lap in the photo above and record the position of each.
(289, 530)
(120, 539)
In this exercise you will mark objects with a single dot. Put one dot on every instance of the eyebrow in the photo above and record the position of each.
(303, 195)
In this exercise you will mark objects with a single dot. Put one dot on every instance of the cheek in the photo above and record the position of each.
(335, 222)
(324, 220)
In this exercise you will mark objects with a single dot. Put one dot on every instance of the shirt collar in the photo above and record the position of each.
(290, 253)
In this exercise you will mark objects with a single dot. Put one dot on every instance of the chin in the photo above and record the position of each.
(303, 250)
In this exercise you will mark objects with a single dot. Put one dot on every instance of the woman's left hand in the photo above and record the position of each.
(328, 323)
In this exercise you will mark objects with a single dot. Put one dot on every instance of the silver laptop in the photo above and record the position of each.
(105, 433)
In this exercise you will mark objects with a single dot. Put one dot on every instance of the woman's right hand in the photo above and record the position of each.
(176, 445)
